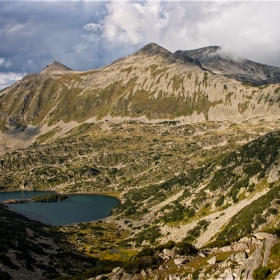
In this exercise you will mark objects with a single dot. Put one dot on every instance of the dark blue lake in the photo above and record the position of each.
(77, 208)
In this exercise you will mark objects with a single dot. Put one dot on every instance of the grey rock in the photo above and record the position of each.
(143, 273)
(226, 249)
(116, 270)
(213, 58)
(212, 260)
(250, 265)
(167, 253)
(240, 257)
(179, 261)
(240, 247)
(201, 254)
(127, 276)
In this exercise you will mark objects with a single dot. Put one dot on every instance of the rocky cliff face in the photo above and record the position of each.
(152, 84)
(218, 61)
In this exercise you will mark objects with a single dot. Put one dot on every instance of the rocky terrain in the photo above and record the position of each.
(189, 141)
(216, 60)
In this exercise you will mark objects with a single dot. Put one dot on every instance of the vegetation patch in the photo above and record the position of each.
(50, 198)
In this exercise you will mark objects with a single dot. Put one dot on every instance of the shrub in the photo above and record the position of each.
(137, 264)
(220, 201)
(195, 275)
(169, 245)
(261, 273)
(185, 248)
(146, 251)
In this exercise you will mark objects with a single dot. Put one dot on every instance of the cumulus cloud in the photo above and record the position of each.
(249, 29)
(6, 79)
(89, 34)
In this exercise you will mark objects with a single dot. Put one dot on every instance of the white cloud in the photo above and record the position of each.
(92, 27)
(7, 79)
(249, 29)
(131, 23)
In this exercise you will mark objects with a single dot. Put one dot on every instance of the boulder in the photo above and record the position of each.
(179, 261)
(127, 276)
(240, 246)
(240, 257)
(201, 254)
(212, 260)
(245, 239)
(116, 270)
(143, 273)
(262, 235)
(229, 276)
(226, 249)
(167, 253)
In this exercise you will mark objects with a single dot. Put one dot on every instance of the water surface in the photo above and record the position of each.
(76, 209)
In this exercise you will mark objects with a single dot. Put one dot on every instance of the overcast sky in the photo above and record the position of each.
(89, 34)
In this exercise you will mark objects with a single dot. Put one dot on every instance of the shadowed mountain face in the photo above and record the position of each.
(214, 59)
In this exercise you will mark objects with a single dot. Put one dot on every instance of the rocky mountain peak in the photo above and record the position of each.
(219, 61)
(153, 49)
(56, 66)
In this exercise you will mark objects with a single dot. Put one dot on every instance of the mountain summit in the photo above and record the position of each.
(55, 66)
(151, 84)
(218, 61)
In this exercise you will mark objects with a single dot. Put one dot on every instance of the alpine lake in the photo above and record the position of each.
(77, 208)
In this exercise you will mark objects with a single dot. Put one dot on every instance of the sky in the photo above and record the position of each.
(85, 35)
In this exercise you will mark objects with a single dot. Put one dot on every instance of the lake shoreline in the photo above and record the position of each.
(69, 193)
(79, 208)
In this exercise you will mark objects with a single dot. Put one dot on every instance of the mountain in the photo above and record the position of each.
(191, 151)
(218, 61)
(55, 67)
(152, 84)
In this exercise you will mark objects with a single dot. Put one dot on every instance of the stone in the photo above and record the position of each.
(201, 254)
(127, 276)
(262, 235)
(143, 273)
(277, 277)
(116, 270)
(229, 277)
(240, 247)
(179, 261)
(226, 249)
(167, 253)
(254, 240)
(240, 257)
(115, 277)
(212, 260)
(245, 239)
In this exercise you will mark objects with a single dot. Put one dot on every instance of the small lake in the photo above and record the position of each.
(77, 208)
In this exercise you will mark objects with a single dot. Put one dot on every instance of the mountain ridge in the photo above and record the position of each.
(192, 155)
(171, 86)
(218, 61)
